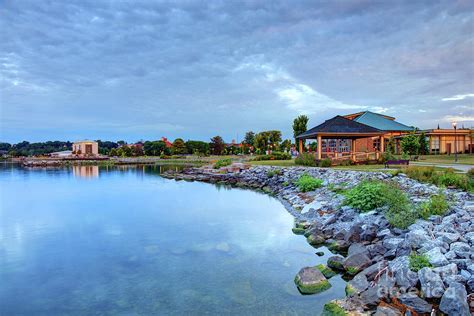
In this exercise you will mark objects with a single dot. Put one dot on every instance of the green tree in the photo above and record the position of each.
(261, 142)
(390, 147)
(410, 144)
(113, 152)
(137, 151)
(197, 147)
(424, 147)
(217, 145)
(249, 138)
(179, 147)
(155, 148)
(300, 125)
(286, 145)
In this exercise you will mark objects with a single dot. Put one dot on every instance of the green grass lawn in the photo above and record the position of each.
(466, 159)
(277, 163)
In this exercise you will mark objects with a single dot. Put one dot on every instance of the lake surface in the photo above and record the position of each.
(124, 241)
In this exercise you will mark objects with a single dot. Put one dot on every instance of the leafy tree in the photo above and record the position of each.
(300, 125)
(261, 142)
(137, 150)
(5, 146)
(410, 144)
(390, 147)
(155, 148)
(249, 138)
(121, 142)
(113, 152)
(424, 147)
(267, 140)
(197, 147)
(217, 145)
(286, 145)
(313, 146)
(179, 147)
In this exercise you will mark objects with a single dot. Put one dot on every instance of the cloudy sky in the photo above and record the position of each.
(133, 70)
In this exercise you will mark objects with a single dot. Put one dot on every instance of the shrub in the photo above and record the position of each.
(418, 262)
(306, 159)
(325, 163)
(222, 163)
(470, 173)
(366, 196)
(437, 205)
(307, 183)
(275, 172)
(446, 177)
(273, 156)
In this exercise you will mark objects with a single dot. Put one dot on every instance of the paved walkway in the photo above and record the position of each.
(461, 167)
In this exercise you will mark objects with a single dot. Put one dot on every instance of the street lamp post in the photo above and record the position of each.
(455, 143)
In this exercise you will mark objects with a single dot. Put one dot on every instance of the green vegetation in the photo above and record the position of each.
(273, 156)
(352, 270)
(217, 145)
(272, 173)
(326, 271)
(349, 290)
(470, 173)
(222, 163)
(179, 147)
(197, 147)
(325, 163)
(333, 309)
(300, 125)
(437, 205)
(410, 144)
(337, 188)
(445, 177)
(267, 140)
(307, 183)
(366, 196)
(278, 163)
(467, 159)
(306, 159)
(418, 262)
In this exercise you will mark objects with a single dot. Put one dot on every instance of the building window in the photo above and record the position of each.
(435, 144)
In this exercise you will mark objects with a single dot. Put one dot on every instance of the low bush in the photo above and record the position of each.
(437, 205)
(275, 172)
(325, 163)
(307, 183)
(400, 212)
(222, 163)
(306, 159)
(366, 196)
(418, 262)
(447, 177)
(470, 173)
(273, 156)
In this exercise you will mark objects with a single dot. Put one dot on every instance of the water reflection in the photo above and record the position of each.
(85, 171)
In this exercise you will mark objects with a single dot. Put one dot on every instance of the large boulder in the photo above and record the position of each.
(415, 303)
(417, 238)
(436, 258)
(387, 311)
(431, 283)
(358, 284)
(355, 263)
(454, 300)
(310, 280)
(404, 277)
(357, 248)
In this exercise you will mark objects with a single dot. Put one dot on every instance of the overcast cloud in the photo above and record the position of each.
(194, 69)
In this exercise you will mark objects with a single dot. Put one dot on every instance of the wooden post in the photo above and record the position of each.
(382, 144)
(300, 146)
(353, 142)
(320, 147)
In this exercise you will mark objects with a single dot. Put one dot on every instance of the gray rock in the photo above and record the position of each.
(454, 301)
(392, 243)
(460, 247)
(446, 271)
(374, 269)
(370, 297)
(436, 258)
(357, 248)
(335, 262)
(358, 284)
(431, 283)
(470, 284)
(416, 303)
(404, 277)
(450, 237)
(356, 263)
(310, 281)
(417, 238)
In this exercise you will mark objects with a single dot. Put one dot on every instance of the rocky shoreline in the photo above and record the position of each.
(367, 249)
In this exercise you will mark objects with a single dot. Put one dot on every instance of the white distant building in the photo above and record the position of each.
(61, 154)
(85, 148)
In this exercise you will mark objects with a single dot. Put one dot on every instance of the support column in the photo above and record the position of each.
(353, 148)
(300, 146)
(382, 144)
(320, 147)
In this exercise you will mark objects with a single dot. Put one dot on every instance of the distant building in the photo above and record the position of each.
(61, 154)
(85, 148)
(167, 142)
(442, 141)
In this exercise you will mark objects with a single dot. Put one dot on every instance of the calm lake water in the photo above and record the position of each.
(124, 241)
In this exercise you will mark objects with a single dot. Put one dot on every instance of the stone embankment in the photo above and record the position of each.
(375, 255)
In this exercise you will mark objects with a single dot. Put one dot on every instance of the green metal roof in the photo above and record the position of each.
(380, 122)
